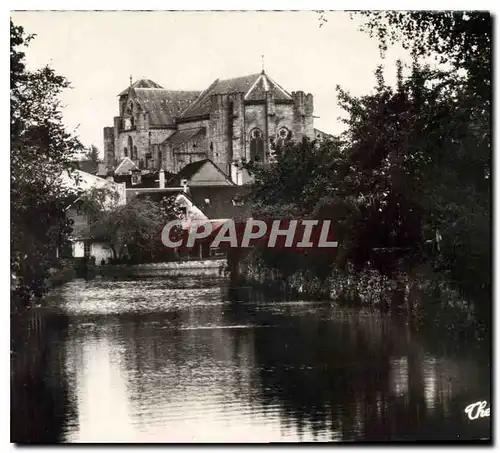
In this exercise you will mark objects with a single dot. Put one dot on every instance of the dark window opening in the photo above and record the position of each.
(86, 249)
(256, 146)
(237, 201)
(130, 143)
(66, 251)
(125, 151)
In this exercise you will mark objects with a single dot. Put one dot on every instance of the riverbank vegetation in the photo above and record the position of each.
(41, 150)
(407, 185)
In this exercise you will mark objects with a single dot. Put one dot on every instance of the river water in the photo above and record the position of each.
(187, 360)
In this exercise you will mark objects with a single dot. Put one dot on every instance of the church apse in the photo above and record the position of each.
(236, 119)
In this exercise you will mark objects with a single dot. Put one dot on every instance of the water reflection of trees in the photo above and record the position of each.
(357, 375)
(41, 404)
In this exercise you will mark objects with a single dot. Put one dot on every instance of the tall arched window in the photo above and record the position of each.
(130, 143)
(129, 120)
(256, 145)
(135, 152)
(130, 108)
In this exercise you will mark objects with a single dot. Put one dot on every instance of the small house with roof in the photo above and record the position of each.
(79, 183)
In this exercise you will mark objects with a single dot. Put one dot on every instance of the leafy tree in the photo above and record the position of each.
(453, 137)
(460, 39)
(93, 155)
(301, 184)
(413, 165)
(132, 230)
(97, 200)
(41, 150)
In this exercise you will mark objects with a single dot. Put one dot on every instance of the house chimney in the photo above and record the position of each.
(162, 178)
(184, 184)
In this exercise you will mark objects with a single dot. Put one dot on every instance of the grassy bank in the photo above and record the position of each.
(420, 296)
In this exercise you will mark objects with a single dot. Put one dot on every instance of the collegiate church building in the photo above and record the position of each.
(237, 119)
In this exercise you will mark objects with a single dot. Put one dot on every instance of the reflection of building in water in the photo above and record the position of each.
(102, 395)
(399, 376)
(169, 377)
(188, 366)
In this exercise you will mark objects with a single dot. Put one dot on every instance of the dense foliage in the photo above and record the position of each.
(92, 154)
(408, 184)
(457, 182)
(132, 231)
(461, 40)
(41, 149)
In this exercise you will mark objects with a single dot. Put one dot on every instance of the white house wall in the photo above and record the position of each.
(100, 252)
(78, 249)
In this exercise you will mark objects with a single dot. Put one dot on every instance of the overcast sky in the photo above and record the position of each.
(98, 51)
